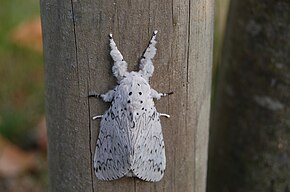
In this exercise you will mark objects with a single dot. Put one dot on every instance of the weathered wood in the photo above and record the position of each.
(77, 61)
(249, 143)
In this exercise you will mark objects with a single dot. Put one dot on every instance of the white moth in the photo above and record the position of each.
(130, 141)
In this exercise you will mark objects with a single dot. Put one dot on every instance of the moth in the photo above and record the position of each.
(130, 141)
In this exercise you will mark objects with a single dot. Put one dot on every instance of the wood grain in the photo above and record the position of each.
(77, 61)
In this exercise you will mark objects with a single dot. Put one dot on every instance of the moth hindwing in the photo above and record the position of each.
(130, 140)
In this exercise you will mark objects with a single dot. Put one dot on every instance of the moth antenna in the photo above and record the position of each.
(120, 65)
(146, 66)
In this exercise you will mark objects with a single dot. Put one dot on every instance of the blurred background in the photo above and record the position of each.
(249, 143)
(23, 165)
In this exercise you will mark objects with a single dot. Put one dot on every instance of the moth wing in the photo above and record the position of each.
(111, 160)
(149, 155)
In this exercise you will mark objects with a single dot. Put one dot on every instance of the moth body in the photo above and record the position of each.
(130, 140)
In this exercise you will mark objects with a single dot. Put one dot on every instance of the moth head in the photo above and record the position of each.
(135, 91)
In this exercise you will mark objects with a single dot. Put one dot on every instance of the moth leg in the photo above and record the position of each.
(157, 95)
(97, 117)
(94, 94)
(107, 97)
(166, 94)
(164, 115)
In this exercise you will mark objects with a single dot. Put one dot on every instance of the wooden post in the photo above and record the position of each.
(75, 37)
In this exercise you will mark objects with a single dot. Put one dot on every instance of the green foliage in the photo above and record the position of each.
(21, 74)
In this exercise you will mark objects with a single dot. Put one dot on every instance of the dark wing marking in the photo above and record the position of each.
(111, 160)
(149, 152)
